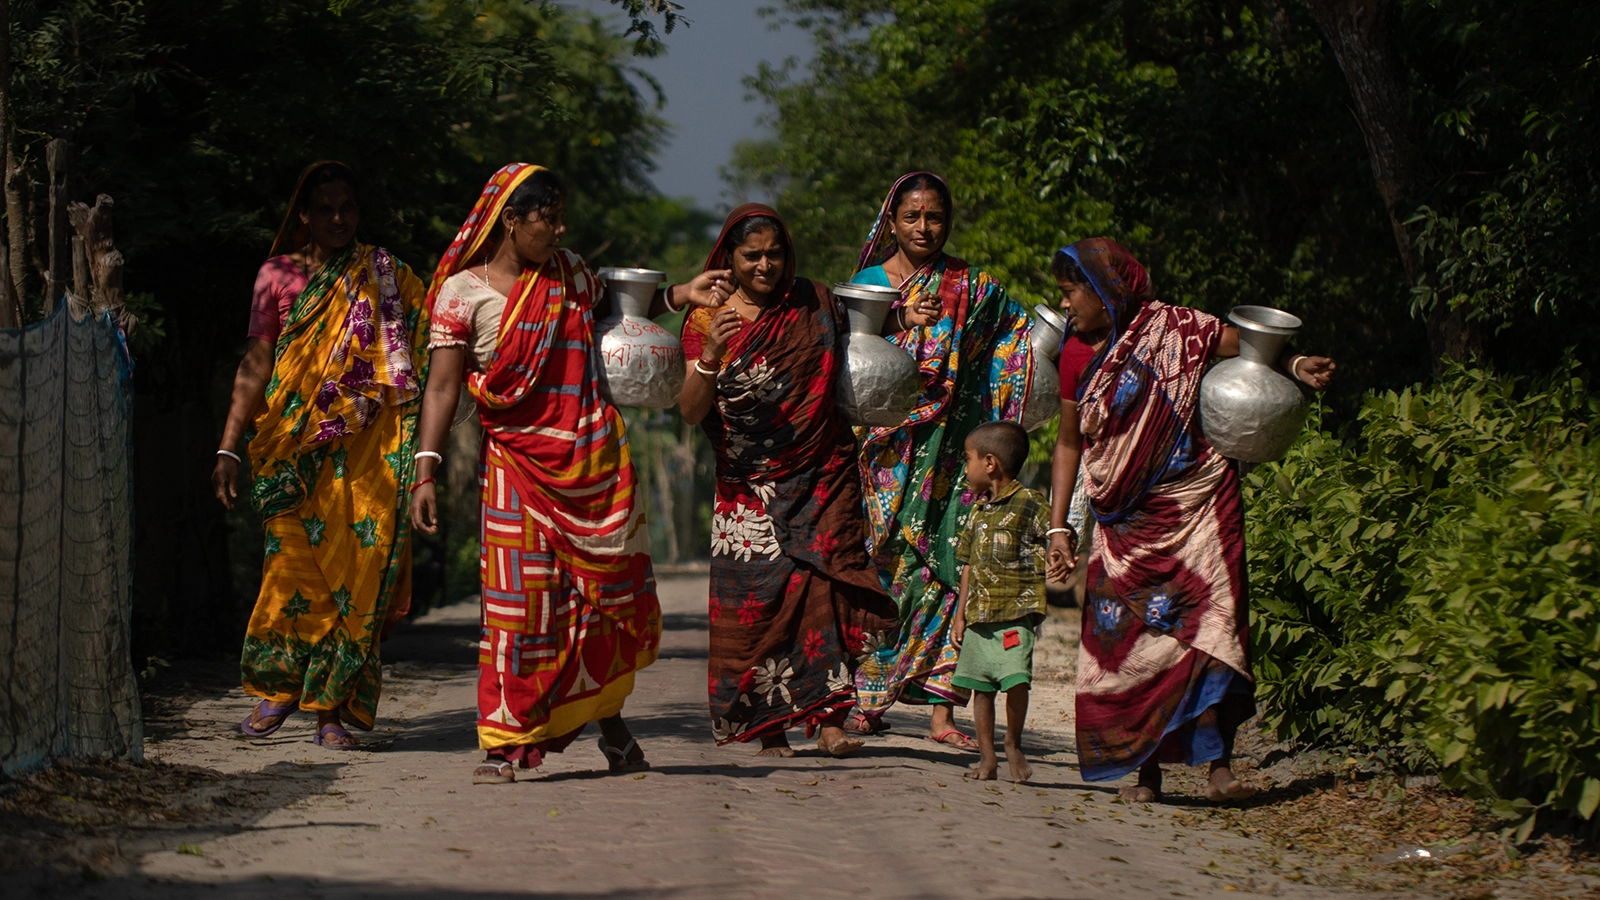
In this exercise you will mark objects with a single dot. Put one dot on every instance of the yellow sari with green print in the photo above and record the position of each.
(332, 457)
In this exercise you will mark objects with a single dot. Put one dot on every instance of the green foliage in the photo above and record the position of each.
(1511, 223)
(1430, 589)
(1215, 140)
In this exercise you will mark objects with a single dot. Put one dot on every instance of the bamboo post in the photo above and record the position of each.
(104, 261)
(79, 298)
(58, 159)
(10, 312)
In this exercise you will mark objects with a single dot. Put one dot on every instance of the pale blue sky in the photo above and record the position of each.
(723, 41)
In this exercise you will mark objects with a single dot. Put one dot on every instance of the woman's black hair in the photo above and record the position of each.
(742, 230)
(1065, 268)
(325, 174)
(539, 194)
(921, 182)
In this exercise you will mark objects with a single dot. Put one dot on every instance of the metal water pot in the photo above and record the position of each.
(641, 362)
(880, 382)
(1044, 388)
(1250, 411)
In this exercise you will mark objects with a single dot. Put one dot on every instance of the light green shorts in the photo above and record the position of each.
(988, 664)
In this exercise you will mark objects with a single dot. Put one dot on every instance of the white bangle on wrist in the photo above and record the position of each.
(231, 455)
(436, 457)
(703, 369)
(1294, 363)
(666, 297)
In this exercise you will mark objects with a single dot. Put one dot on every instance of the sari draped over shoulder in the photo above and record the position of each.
(976, 363)
(569, 612)
(794, 597)
(1163, 664)
(332, 456)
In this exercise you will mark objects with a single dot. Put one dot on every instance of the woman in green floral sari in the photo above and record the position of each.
(975, 363)
(332, 377)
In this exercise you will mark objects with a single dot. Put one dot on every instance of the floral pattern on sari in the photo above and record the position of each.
(794, 599)
(332, 455)
(976, 363)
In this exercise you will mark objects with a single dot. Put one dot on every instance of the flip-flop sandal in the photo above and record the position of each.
(865, 726)
(340, 736)
(962, 742)
(265, 710)
(618, 759)
(496, 772)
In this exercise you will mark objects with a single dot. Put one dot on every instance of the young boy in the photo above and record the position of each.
(1002, 602)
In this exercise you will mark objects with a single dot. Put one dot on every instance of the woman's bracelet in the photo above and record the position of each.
(666, 298)
(901, 313)
(424, 481)
(1293, 362)
(428, 453)
(231, 455)
(703, 369)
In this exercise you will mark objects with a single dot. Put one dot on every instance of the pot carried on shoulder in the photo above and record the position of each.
(880, 382)
(1250, 411)
(641, 363)
(1044, 388)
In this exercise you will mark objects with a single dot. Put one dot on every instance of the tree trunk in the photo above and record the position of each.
(1361, 34)
(10, 293)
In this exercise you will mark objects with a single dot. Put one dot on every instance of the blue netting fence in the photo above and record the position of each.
(67, 685)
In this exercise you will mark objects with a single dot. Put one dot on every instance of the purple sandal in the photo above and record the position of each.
(265, 710)
(321, 739)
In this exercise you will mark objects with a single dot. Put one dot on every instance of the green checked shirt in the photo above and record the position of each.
(1005, 546)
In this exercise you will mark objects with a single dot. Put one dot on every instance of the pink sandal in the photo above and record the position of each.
(961, 742)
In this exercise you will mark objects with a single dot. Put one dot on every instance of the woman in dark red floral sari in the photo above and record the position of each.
(793, 594)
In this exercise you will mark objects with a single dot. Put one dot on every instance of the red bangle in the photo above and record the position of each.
(421, 483)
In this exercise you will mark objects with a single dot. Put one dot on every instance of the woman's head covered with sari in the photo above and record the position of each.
(1120, 281)
(479, 235)
(881, 243)
(741, 224)
(295, 233)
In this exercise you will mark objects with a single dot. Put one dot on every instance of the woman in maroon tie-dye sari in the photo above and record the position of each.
(1164, 662)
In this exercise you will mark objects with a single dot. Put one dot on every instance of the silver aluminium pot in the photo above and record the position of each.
(880, 382)
(1044, 388)
(1250, 411)
(641, 363)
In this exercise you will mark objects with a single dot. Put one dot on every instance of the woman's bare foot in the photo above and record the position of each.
(833, 741)
(1223, 787)
(1020, 770)
(1148, 790)
(776, 745)
(984, 771)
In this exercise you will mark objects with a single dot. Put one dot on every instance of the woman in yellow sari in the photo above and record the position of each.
(332, 378)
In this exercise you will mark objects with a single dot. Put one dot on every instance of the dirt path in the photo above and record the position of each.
(402, 819)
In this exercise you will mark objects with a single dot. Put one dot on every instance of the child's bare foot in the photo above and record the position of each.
(776, 745)
(1020, 770)
(985, 770)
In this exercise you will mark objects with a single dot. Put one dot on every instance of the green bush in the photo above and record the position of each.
(1426, 592)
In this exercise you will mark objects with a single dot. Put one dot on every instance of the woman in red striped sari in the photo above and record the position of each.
(569, 598)
(1164, 661)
